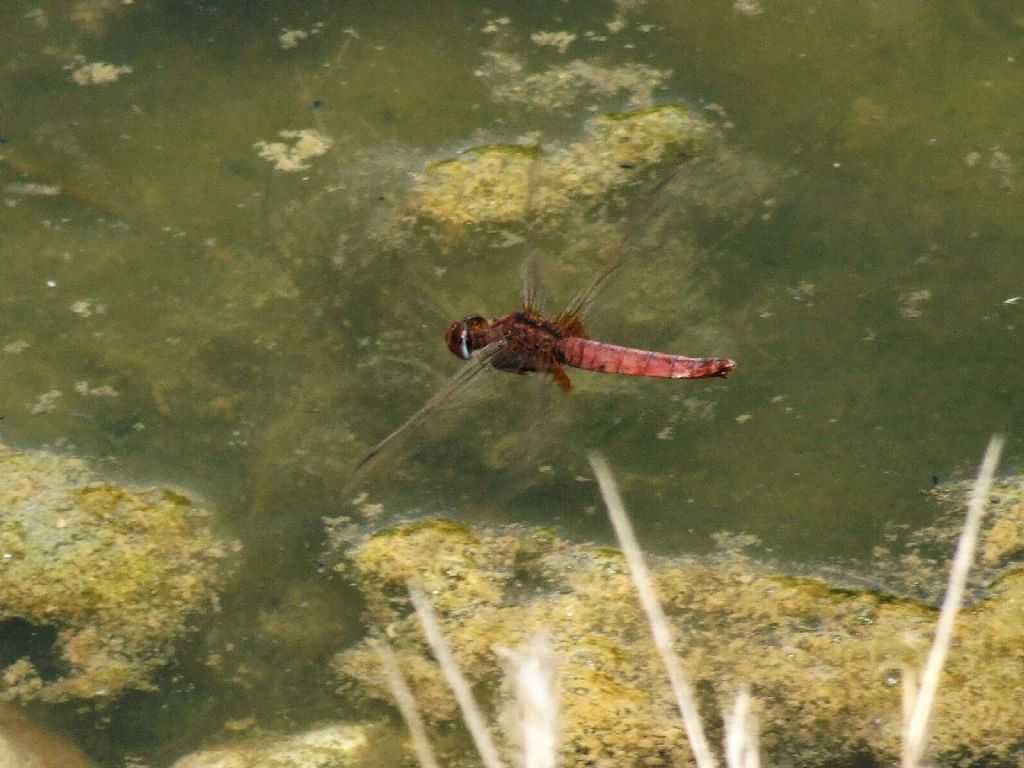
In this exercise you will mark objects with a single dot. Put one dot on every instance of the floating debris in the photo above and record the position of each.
(32, 189)
(561, 86)
(97, 72)
(558, 40)
(290, 157)
(290, 38)
(88, 308)
(46, 402)
(911, 303)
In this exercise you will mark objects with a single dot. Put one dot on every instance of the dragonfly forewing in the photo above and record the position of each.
(615, 255)
(456, 385)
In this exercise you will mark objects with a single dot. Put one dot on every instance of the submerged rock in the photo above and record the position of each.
(113, 574)
(497, 183)
(825, 664)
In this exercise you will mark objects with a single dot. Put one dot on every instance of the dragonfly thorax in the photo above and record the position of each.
(465, 336)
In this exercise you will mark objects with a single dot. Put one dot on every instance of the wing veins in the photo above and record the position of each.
(530, 283)
(463, 377)
(581, 301)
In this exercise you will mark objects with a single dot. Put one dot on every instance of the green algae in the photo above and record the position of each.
(501, 183)
(119, 572)
(915, 562)
(448, 528)
(824, 663)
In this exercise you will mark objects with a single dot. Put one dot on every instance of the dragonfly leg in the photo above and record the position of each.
(555, 369)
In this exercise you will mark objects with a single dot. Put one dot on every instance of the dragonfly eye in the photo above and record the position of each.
(457, 339)
(466, 335)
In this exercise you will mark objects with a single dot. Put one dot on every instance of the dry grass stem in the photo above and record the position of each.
(916, 727)
(538, 713)
(660, 628)
(406, 705)
(909, 679)
(471, 712)
(741, 734)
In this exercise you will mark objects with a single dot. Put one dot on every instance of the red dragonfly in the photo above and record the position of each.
(526, 342)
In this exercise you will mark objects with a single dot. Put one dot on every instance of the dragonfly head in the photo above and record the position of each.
(465, 336)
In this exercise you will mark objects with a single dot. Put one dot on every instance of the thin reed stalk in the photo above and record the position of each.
(533, 674)
(741, 734)
(471, 712)
(660, 628)
(406, 705)
(915, 730)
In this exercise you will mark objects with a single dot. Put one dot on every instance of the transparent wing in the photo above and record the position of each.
(529, 292)
(529, 285)
(479, 363)
(614, 257)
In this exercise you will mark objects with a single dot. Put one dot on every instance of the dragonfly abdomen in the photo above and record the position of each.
(591, 355)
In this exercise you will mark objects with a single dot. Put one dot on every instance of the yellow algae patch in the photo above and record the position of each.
(562, 85)
(1003, 537)
(495, 184)
(294, 154)
(559, 40)
(97, 72)
(921, 563)
(441, 555)
(486, 184)
(117, 572)
(331, 746)
(824, 663)
(290, 38)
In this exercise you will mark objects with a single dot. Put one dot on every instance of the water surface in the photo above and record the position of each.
(187, 312)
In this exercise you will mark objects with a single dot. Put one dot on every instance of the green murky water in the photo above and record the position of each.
(191, 305)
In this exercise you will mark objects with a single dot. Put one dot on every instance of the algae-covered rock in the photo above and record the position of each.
(916, 562)
(1002, 534)
(824, 663)
(116, 572)
(495, 184)
(332, 746)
